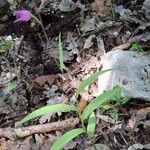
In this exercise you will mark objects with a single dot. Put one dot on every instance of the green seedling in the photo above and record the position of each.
(6, 46)
(137, 47)
(87, 114)
(113, 104)
(10, 86)
(61, 55)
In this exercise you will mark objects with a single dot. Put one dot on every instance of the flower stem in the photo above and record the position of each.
(39, 20)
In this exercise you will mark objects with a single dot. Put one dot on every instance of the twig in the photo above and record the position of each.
(13, 133)
(126, 143)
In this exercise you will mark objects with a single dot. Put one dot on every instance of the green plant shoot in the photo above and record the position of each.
(65, 138)
(88, 81)
(47, 109)
(91, 125)
(61, 55)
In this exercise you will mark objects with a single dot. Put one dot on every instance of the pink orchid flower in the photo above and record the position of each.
(22, 16)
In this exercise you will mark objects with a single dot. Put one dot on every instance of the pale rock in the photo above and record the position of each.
(67, 5)
(131, 72)
(146, 6)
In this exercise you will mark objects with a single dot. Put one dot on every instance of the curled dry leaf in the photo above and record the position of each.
(46, 78)
(82, 104)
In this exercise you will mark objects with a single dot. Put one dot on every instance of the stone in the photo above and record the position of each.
(67, 6)
(131, 72)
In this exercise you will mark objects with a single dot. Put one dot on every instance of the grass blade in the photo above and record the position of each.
(95, 103)
(47, 109)
(91, 125)
(88, 81)
(65, 138)
(61, 55)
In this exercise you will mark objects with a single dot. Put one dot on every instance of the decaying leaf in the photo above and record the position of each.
(82, 104)
(140, 114)
(99, 7)
(46, 78)
(88, 42)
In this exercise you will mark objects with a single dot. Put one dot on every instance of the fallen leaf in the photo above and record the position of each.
(143, 111)
(88, 42)
(106, 118)
(131, 124)
(46, 78)
(82, 104)
(3, 146)
(140, 114)
(99, 6)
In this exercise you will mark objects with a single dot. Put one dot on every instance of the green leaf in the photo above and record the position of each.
(115, 115)
(125, 100)
(95, 103)
(47, 109)
(117, 90)
(11, 85)
(61, 55)
(137, 47)
(91, 125)
(106, 107)
(5, 46)
(88, 81)
(65, 138)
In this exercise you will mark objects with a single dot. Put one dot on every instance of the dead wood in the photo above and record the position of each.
(13, 133)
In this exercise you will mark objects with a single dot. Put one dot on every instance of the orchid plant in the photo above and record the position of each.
(26, 15)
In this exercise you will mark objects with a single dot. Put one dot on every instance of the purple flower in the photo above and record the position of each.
(22, 15)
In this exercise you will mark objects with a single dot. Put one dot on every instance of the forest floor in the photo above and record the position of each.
(30, 77)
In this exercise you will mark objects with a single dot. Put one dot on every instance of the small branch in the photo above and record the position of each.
(13, 133)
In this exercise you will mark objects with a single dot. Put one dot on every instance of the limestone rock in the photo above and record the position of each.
(132, 73)
(67, 5)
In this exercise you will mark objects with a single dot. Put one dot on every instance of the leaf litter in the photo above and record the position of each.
(89, 30)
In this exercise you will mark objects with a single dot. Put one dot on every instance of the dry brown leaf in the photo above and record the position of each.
(88, 42)
(81, 104)
(3, 146)
(144, 111)
(131, 124)
(46, 78)
(140, 114)
(98, 5)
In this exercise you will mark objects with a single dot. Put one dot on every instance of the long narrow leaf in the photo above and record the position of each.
(47, 109)
(95, 103)
(61, 55)
(88, 81)
(65, 138)
(91, 125)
